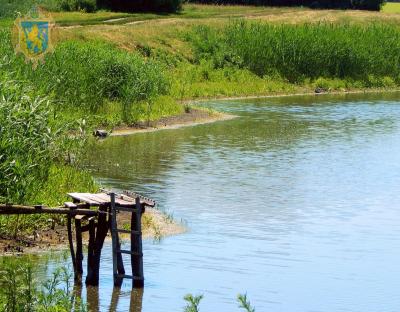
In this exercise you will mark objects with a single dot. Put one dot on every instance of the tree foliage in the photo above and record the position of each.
(329, 4)
(141, 5)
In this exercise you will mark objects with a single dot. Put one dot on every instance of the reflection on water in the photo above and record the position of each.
(295, 202)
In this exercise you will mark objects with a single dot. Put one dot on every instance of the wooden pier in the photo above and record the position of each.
(97, 215)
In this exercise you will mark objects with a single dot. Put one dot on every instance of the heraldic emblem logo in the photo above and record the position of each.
(32, 36)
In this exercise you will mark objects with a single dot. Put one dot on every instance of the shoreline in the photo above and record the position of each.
(244, 97)
(196, 117)
(199, 116)
(156, 226)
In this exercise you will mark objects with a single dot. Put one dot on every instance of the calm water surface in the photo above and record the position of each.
(296, 202)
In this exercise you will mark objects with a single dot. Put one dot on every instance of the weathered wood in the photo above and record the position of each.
(91, 247)
(101, 233)
(114, 238)
(144, 200)
(70, 205)
(79, 250)
(71, 243)
(84, 197)
(18, 209)
(136, 247)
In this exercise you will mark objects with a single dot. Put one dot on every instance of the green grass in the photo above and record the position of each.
(367, 53)
(391, 7)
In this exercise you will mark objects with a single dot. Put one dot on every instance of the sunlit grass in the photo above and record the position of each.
(391, 7)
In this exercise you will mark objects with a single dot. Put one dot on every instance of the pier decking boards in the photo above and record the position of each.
(97, 215)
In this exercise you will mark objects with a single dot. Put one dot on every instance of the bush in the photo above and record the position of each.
(78, 5)
(141, 5)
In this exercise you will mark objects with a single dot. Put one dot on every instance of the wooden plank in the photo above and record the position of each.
(70, 205)
(126, 209)
(103, 197)
(18, 209)
(99, 198)
(144, 200)
(84, 197)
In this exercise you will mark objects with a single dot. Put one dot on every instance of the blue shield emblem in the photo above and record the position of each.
(32, 36)
(35, 37)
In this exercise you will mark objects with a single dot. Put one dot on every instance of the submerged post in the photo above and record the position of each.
(136, 246)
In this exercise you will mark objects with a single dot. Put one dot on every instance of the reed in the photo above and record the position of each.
(297, 52)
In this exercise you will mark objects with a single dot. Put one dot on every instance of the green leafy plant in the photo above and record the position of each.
(244, 303)
(193, 303)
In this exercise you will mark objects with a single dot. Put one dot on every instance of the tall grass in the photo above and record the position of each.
(86, 75)
(26, 142)
(11, 8)
(298, 52)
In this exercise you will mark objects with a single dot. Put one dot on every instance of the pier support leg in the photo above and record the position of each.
(91, 246)
(118, 264)
(136, 247)
(101, 233)
(71, 243)
(79, 249)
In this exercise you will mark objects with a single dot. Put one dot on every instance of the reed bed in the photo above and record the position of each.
(298, 52)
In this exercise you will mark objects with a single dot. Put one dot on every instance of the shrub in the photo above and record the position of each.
(78, 5)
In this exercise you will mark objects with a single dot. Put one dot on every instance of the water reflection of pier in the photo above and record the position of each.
(93, 298)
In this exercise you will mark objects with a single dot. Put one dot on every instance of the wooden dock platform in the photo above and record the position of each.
(97, 215)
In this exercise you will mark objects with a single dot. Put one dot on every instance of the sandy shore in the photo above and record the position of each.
(192, 118)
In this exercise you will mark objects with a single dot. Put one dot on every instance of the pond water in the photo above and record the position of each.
(295, 203)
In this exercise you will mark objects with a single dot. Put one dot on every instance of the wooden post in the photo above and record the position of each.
(71, 243)
(79, 249)
(101, 233)
(114, 239)
(92, 237)
(136, 246)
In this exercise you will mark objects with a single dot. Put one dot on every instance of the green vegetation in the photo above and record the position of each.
(367, 54)
(193, 303)
(141, 5)
(20, 291)
(343, 4)
(391, 7)
(45, 115)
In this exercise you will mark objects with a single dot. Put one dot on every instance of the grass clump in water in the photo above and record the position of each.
(20, 291)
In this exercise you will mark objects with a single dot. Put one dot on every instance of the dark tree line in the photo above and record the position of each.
(141, 5)
(334, 4)
(176, 5)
